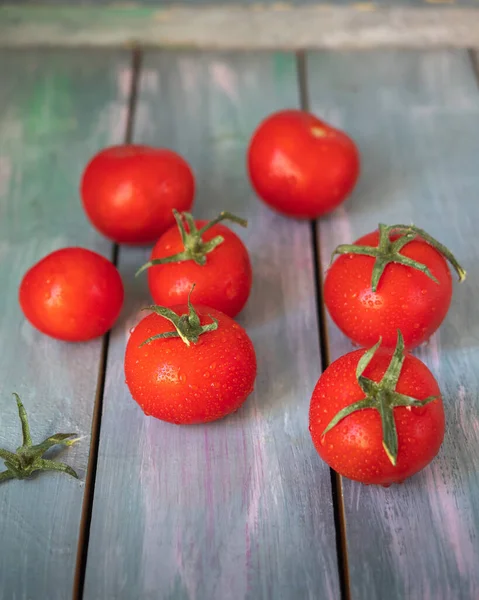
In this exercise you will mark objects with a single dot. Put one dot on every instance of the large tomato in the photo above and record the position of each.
(300, 165)
(376, 416)
(189, 366)
(206, 254)
(129, 191)
(72, 294)
(394, 278)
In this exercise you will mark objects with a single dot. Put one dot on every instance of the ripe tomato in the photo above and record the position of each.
(206, 254)
(202, 376)
(394, 278)
(301, 166)
(72, 294)
(129, 191)
(361, 445)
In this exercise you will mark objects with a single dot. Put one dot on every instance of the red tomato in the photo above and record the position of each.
(405, 298)
(129, 191)
(354, 447)
(222, 282)
(72, 294)
(196, 383)
(301, 166)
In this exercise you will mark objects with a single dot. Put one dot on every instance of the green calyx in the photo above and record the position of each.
(389, 251)
(28, 458)
(382, 396)
(194, 247)
(187, 326)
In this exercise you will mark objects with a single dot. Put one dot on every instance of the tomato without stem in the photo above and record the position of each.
(300, 165)
(397, 279)
(129, 191)
(73, 294)
(398, 425)
(202, 376)
(204, 253)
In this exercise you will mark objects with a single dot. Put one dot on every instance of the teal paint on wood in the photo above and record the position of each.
(238, 509)
(415, 117)
(56, 109)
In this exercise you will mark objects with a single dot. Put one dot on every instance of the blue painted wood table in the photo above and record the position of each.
(243, 509)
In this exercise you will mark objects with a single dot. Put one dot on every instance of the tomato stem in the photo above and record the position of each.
(187, 327)
(194, 247)
(388, 251)
(28, 458)
(382, 396)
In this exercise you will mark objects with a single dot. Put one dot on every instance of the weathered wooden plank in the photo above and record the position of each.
(56, 108)
(415, 117)
(234, 509)
(432, 23)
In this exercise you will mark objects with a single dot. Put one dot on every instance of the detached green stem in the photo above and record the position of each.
(388, 251)
(28, 458)
(382, 396)
(195, 248)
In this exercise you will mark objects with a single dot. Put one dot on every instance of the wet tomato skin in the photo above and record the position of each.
(301, 166)
(72, 294)
(405, 299)
(129, 191)
(353, 447)
(224, 282)
(192, 384)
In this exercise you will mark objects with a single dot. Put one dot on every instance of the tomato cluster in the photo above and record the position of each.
(376, 414)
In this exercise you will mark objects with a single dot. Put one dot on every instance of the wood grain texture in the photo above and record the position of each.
(55, 110)
(434, 23)
(415, 117)
(238, 509)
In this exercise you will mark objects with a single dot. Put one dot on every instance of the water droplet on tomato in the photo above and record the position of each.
(213, 366)
(132, 329)
(423, 292)
(206, 375)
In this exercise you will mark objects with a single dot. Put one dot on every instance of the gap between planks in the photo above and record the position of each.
(87, 508)
(336, 482)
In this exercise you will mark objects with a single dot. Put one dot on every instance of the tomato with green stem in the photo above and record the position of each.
(204, 253)
(188, 365)
(376, 416)
(394, 278)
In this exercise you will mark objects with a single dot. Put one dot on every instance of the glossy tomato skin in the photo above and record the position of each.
(405, 298)
(190, 384)
(129, 191)
(224, 282)
(72, 294)
(353, 447)
(301, 166)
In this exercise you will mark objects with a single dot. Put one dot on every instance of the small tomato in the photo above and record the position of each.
(129, 191)
(72, 294)
(394, 278)
(301, 166)
(376, 416)
(189, 366)
(203, 253)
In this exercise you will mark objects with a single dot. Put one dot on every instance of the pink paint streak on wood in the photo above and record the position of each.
(6, 171)
(225, 79)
